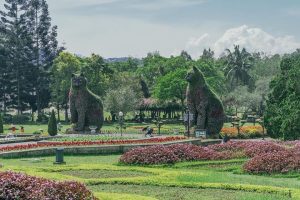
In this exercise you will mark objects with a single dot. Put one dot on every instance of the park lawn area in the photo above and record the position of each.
(205, 180)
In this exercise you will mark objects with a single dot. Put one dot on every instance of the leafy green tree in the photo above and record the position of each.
(213, 75)
(238, 64)
(63, 67)
(52, 125)
(282, 114)
(122, 99)
(98, 73)
(172, 86)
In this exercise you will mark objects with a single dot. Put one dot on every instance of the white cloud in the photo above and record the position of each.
(253, 39)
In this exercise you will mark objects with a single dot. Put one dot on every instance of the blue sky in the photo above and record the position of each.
(115, 28)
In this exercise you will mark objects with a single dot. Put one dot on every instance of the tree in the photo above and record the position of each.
(98, 74)
(14, 31)
(52, 125)
(145, 89)
(207, 54)
(122, 99)
(44, 48)
(63, 67)
(282, 114)
(172, 86)
(238, 64)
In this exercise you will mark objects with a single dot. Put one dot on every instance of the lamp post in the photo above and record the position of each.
(121, 121)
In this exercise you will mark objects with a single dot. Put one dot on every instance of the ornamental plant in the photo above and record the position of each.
(274, 162)
(52, 126)
(20, 186)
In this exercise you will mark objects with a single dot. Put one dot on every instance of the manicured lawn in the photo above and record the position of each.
(207, 180)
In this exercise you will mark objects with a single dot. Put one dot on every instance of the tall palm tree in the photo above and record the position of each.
(238, 64)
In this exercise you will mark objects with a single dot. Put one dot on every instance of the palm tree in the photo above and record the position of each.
(238, 64)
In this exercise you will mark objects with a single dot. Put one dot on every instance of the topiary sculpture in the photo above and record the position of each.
(204, 104)
(86, 107)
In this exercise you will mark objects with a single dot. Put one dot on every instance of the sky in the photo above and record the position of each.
(120, 28)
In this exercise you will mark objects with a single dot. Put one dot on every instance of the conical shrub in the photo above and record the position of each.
(52, 127)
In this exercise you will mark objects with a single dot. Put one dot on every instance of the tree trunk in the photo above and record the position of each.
(58, 113)
(66, 113)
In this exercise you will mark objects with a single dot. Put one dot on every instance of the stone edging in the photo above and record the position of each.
(97, 149)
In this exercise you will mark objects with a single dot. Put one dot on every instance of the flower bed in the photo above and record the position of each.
(88, 143)
(266, 156)
(20, 186)
(160, 154)
(245, 132)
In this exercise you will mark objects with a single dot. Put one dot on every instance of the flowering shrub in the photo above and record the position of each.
(160, 154)
(258, 148)
(88, 143)
(245, 132)
(157, 154)
(20, 186)
(271, 162)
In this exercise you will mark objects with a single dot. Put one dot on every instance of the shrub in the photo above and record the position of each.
(258, 148)
(52, 126)
(245, 132)
(42, 118)
(20, 186)
(157, 154)
(272, 162)
(20, 119)
(1, 124)
(160, 154)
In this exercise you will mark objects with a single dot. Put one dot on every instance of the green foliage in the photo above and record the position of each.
(172, 86)
(63, 67)
(1, 124)
(238, 64)
(52, 126)
(97, 73)
(283, 107)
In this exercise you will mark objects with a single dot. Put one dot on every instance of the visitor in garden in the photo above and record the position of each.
(22, 129)
(149, 131)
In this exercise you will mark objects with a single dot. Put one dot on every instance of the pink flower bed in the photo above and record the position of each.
(20, 186)
(274, 162)
(265, 156)
(88, 143)
(160, 154)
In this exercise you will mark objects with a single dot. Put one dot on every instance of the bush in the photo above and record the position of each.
(274, 162)
(157, 154)
(20, 186)
(20, 119)
(42, 118)
(1, 124)
(259, 148)
(52, 126)
(245, 132)
(160, 154)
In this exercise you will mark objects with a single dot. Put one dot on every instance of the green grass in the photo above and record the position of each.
(175, 193)
(207, 180)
